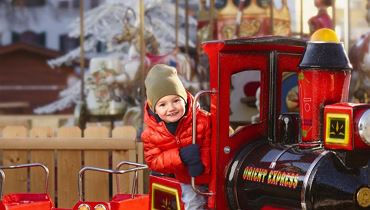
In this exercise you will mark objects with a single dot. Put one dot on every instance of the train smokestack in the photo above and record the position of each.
(324, 79)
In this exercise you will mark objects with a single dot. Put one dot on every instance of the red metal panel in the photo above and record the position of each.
(26, 201)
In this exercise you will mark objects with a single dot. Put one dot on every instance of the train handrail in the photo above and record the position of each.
(2, 180)
(138, 167)
(194, 134)
(90, 168)
(28, 165)
(117, 172)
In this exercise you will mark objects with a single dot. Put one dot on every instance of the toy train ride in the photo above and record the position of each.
(313, 158)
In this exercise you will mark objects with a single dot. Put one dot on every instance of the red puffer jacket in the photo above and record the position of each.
(161, 147)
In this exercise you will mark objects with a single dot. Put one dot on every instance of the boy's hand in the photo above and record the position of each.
(190, 154)
(191, 157)
(195, 170)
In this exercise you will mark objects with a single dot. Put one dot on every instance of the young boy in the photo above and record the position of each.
(167, 136)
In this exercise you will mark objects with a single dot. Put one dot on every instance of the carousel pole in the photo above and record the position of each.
(142, 41)
(82, 112)
(82, 50)
(177, 24)
(271, 17)
(187, 27)
(211, 19)
(142, 57)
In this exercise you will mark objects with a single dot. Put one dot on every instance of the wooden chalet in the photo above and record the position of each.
(26, 80)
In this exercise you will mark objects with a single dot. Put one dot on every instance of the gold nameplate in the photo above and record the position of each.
(164, 197)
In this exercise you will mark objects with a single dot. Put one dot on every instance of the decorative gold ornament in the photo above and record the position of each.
(363, 197)
(255, 20)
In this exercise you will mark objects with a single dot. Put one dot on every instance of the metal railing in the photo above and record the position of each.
(111, 171)
(23, 166)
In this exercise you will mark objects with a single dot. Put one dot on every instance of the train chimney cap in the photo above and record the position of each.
(325, 51)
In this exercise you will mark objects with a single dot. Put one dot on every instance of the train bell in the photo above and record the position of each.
(324, 79)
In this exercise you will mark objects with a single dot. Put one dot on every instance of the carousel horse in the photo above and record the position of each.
(359, 55)
(154, 55)
(174, 58)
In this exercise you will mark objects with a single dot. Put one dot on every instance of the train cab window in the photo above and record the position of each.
(244, 94)
(289, 93)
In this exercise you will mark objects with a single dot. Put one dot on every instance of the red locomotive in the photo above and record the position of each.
(317, 158)
(302, 146)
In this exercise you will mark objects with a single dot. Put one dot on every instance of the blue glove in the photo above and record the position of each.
(196, 169)
(190, 156)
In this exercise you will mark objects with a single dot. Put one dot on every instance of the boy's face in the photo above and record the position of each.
(170, 108)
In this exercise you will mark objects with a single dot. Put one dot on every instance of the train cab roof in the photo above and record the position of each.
(263, 43)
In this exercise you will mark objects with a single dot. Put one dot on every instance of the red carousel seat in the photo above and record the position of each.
(26, 201)
(124, 201)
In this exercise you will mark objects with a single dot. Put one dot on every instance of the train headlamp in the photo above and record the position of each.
(347, 127)
(100, 207)
(83, 206)
(364, 127)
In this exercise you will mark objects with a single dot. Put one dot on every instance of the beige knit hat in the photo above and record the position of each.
(162, 80)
